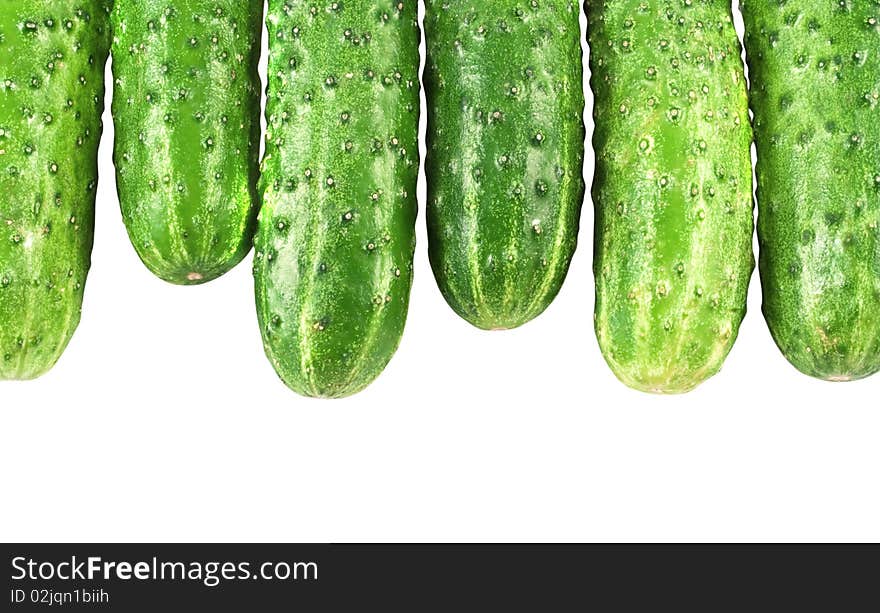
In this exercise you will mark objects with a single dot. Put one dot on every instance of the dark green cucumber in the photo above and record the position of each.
(52, 57)
(504, 82)
(815, 70)
(186, 110)
(334, 248)
(673, 189)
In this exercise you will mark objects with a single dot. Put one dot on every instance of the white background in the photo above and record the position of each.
(164, 422)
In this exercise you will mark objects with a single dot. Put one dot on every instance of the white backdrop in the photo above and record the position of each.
(164, 422)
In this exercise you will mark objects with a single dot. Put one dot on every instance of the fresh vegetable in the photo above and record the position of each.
(334, 248)
(186, 108)
(52, 57)
(815, 69)
(504, 83)
(673, 189)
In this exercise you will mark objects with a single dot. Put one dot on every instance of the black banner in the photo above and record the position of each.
(413, 578)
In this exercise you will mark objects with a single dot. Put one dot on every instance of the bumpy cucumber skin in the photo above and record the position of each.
(186, 110)
(815, 70)
(673, 189)
(52, 58)
(336, 237)
(504, 83)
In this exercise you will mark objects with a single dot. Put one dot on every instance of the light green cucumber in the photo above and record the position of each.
(52, 58)
(504, 84)
(815, 70)
(673, 189)
(186, 110)
(334, 248)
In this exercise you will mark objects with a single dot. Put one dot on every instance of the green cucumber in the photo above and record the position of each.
(52, 57)
(673, 189)
(334, 248)
(186, 110)
(504, 83)
(815, 71)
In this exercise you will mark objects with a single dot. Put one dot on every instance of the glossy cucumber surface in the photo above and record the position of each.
(186, 110)
(672, 191)
(336, 237)
(815, 69)
(504, 84)
(52, 58)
